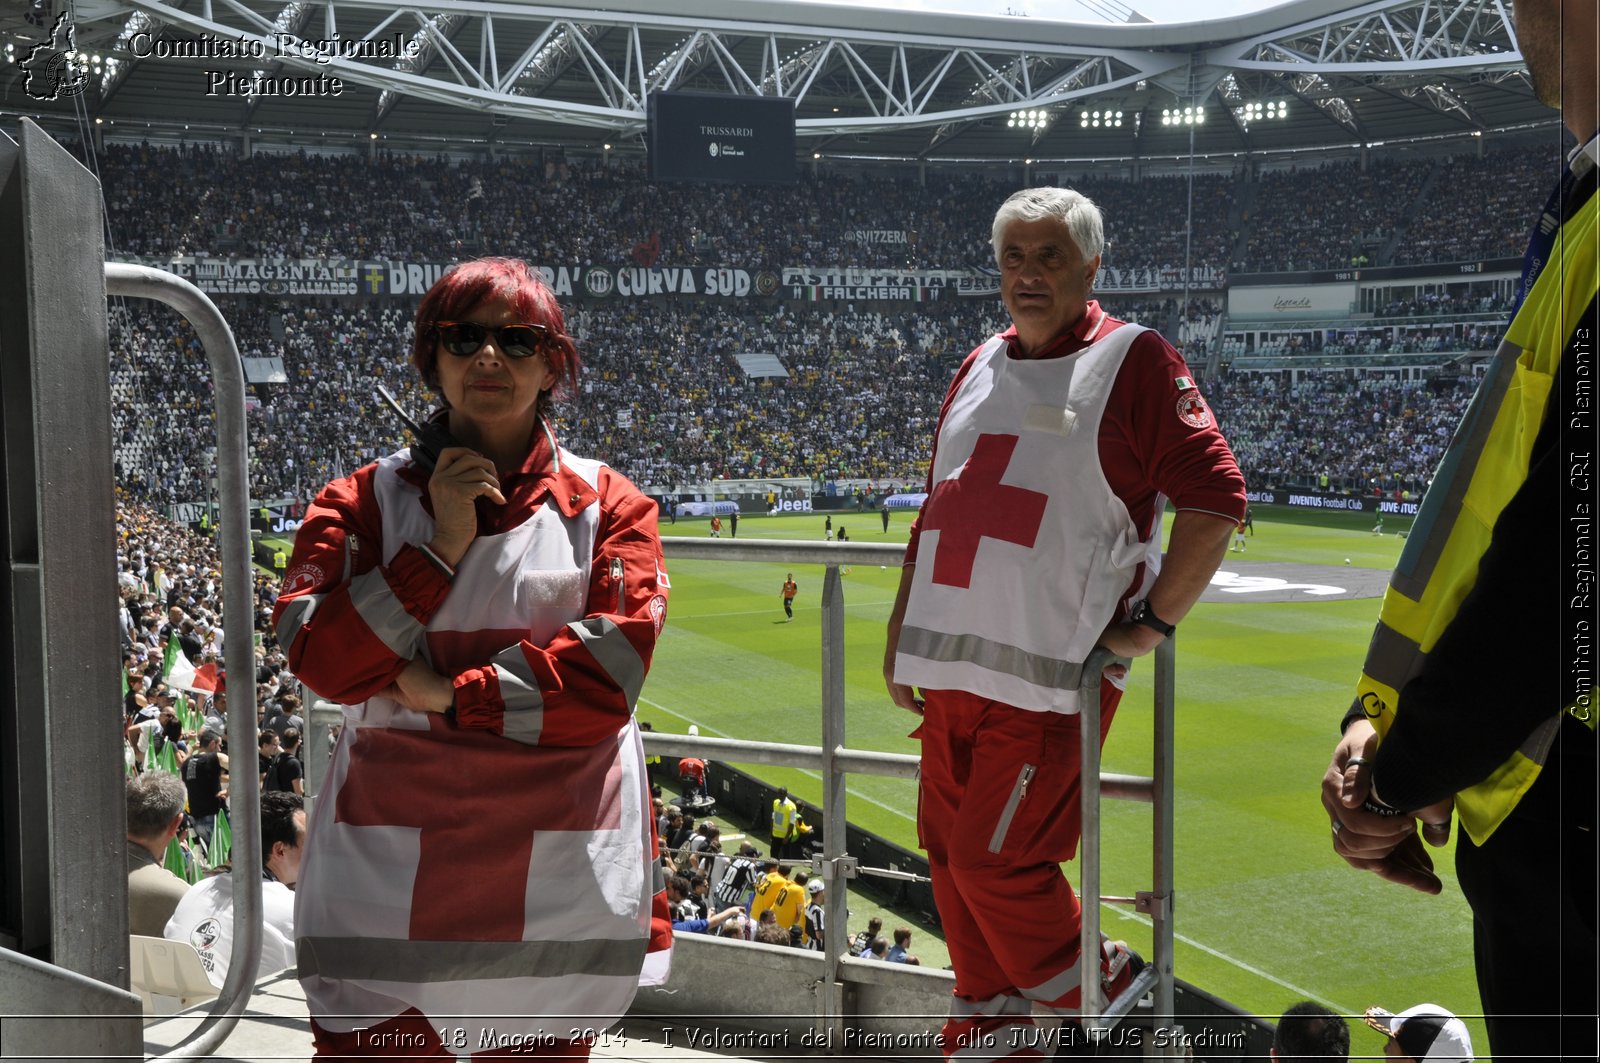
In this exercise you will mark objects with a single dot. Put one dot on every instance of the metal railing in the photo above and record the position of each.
(238, 614)
(834, 760)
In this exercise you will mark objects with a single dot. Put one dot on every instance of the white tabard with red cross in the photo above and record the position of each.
(1025, 549)
(491, 884)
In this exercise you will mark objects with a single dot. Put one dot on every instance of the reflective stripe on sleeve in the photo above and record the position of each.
(384, 615)
(611, 648)
(294, 617)
(523, 718)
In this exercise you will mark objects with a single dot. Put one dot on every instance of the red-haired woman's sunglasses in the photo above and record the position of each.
(466, 338)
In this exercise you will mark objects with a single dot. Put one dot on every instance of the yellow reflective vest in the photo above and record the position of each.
(1485, 465)
(784, 814)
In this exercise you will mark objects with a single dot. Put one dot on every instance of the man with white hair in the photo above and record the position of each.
(1057, 446)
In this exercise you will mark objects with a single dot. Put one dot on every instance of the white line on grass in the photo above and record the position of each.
(852, 791)
(1341, 1009)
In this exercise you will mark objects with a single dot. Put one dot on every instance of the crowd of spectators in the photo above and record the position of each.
(663, 397)
(1440, 304)
(1146, 219)
(1500, 187)
(1328, 217)
(169, 585)
(1393, 212)
(323, 422)
(207, 200)
(748, 897)
(1367, 435)
(1440, 337)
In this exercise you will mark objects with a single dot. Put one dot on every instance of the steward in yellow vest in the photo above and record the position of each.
(1478, 690)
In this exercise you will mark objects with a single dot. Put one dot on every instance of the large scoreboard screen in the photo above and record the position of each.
(695, 136)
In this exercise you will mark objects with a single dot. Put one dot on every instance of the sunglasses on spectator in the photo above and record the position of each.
(466, 338)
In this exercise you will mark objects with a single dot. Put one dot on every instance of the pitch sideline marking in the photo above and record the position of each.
(1242, 965)
(1223, 956)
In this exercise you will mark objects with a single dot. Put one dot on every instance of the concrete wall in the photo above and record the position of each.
(756, 1000)
(774, 990)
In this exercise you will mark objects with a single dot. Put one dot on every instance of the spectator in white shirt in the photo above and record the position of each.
(205, 915)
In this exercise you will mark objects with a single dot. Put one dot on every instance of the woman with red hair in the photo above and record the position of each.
(480, 867)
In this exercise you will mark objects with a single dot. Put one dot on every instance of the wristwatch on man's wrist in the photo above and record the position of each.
(1143, 614)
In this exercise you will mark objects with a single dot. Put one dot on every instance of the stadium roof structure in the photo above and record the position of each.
(867, 83)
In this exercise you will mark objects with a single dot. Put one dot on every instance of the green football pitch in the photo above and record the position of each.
(1265, 913)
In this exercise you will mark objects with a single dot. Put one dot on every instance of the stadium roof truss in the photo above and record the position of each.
(868, 83)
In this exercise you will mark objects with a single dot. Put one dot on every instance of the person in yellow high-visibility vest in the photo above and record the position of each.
(785, 824)
(1478, 690)
(280, 561)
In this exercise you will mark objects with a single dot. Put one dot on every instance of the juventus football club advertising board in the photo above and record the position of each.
(1305, 498)
(702, 137)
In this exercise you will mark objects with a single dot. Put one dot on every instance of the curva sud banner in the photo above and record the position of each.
(407, 279)
(411, 279)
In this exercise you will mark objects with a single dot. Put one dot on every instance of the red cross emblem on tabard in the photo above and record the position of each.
(478, 800)
(974, 505)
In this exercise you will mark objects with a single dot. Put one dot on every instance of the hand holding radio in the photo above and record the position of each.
(459, 479)
(431, 439)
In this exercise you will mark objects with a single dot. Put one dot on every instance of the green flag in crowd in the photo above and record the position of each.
(124, 682)
(188, 718)
(167, 758)
(221, 841)
(176, 863)
(171, 655)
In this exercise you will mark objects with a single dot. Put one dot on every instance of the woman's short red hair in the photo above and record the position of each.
(470, 284)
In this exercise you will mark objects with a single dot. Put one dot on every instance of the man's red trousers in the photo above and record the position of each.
(997, 814)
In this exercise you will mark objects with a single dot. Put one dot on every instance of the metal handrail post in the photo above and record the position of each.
(1091, 1001)
(1162, 814)
(238, 605)
(833, 801)
(1097, 1016)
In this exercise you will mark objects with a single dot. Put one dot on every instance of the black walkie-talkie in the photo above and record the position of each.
(431, 438)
